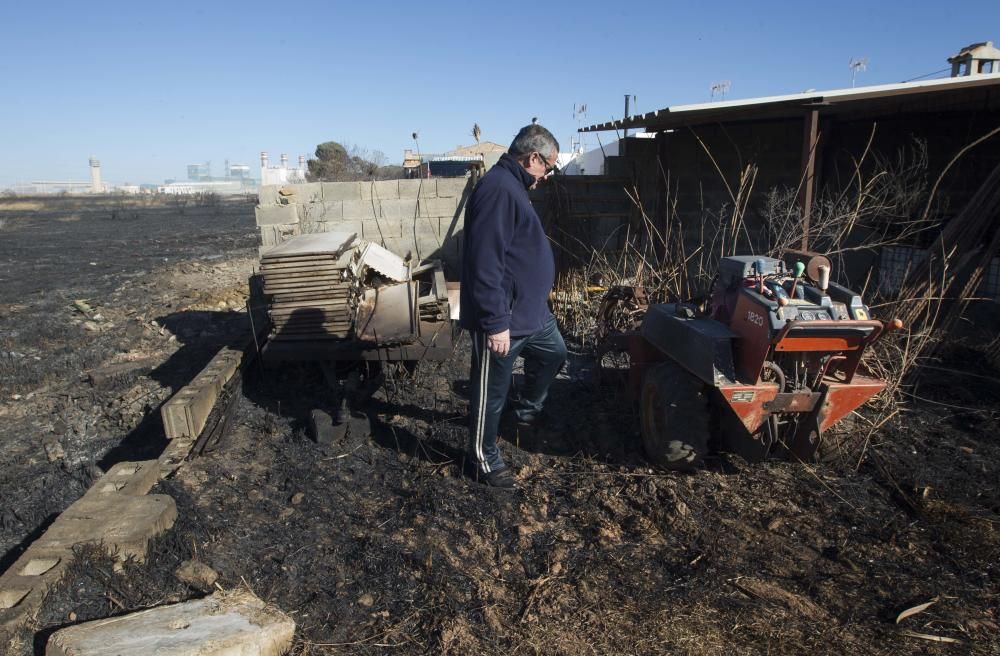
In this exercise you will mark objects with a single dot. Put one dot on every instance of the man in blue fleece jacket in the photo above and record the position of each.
(507, 273)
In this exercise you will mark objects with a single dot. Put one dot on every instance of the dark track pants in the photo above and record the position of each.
(490, 379)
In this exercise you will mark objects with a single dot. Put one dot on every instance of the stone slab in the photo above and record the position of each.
(123, 524)
(276, 215)
(224, 624)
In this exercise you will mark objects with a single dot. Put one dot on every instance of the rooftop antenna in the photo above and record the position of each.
(720, 87)
(580, 116)
(857, 65)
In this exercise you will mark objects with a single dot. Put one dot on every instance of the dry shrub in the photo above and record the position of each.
(886, 202)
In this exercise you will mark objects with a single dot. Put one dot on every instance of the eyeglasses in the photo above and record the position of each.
(549, 168)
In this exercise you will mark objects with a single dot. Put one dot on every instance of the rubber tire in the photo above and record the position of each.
(674, 416)
(834, 447)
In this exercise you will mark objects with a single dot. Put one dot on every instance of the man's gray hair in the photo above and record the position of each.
(533, 139)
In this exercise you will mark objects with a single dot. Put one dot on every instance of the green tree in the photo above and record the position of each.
(336, 163)
(331, 163)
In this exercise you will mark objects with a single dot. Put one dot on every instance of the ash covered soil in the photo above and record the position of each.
(379, 544)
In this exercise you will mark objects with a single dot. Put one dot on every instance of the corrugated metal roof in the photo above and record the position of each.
(792, 104)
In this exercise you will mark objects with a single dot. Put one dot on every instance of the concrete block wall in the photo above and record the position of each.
(422, 217)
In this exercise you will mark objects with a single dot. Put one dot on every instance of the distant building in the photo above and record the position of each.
(977, 59)
(199, 172)
(280, 175)
(222, 187)
(239, 171)
(452, 164)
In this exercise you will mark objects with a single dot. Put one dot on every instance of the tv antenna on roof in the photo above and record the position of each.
(857, 65)
(720, 87)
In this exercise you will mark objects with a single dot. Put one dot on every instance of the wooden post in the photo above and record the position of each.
(810, 140)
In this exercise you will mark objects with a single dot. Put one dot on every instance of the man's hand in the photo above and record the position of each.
(499, 343)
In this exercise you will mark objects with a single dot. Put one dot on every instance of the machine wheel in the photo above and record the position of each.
(674, 416)
(838, 445)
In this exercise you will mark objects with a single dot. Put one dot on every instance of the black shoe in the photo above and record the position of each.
(501, 478)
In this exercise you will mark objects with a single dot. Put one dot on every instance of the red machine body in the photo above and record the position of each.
(767, 369)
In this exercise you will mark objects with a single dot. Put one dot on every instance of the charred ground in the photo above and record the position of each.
(380, 542)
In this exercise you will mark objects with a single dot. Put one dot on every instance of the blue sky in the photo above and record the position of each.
(148, 88)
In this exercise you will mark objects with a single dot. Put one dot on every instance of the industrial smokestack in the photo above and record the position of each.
(302, 162)
(96, 186)
(263, 159)
(284, 161)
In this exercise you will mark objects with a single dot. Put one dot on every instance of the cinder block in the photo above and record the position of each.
(401, 246)
(185, 414)
(123, 524)
(432, 225)
(418, 188)
(306, 192)
(353, 227)
(267, 195)
(359, 210)
(451, 187)
(394, 227)
(225, 623)
(273, 235)
(377, 230)
(326, 210)
(365, 188)
(453, 224)
(427, 245)
(438, 206)
(174, 454)
(341, 191)
(400, 209)
(384, 189)
(113, 513)
(276, 215)
(127, 478)
(19, 601)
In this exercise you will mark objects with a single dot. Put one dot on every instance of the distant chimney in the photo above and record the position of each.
(976, 59)
(302, 162)
(96, 186)
(284, 161)
(263, 159)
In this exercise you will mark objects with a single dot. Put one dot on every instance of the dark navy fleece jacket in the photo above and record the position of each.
(507, 266)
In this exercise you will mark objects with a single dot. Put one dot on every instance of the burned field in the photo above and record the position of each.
(379, 543)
